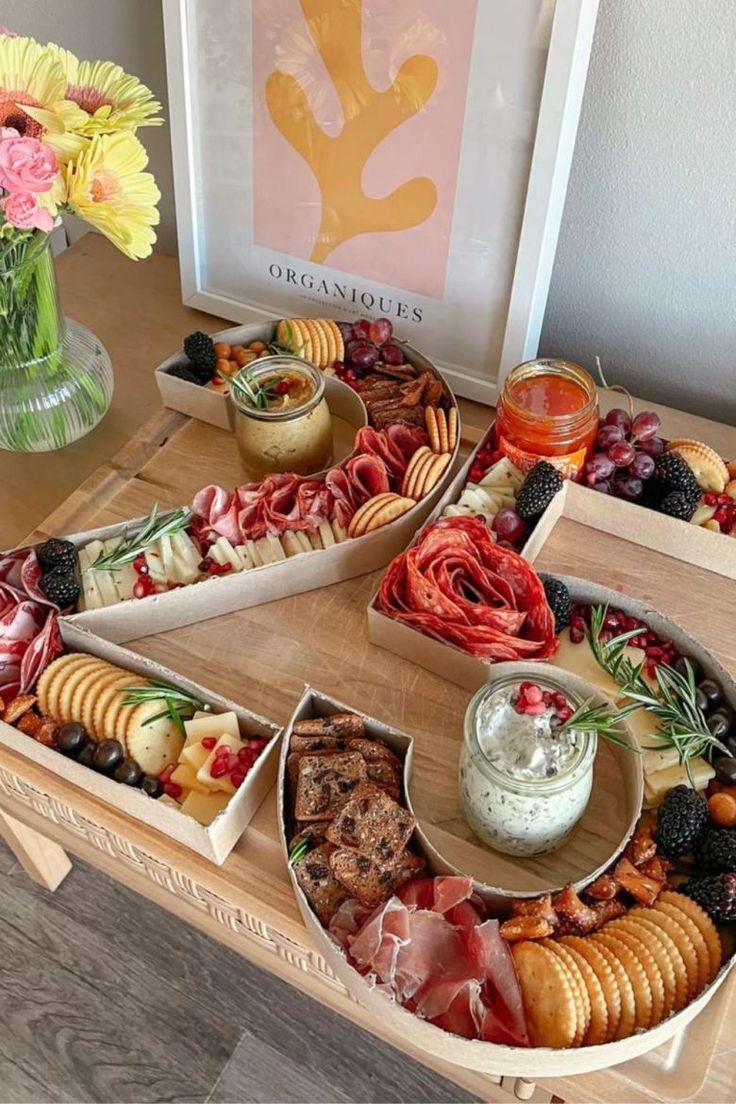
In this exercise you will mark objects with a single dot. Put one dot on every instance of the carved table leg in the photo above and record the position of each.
(43, 860)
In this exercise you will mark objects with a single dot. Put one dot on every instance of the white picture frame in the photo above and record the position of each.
(571, 25)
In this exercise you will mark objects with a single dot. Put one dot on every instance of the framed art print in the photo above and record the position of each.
(405, 158)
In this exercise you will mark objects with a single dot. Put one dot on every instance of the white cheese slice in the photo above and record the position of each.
(245, 556)
(315, 540)
(326, 534)
(656, 785)
(185, 549)
(305, 542)
(167, 559)
(277, 549)
(155, 567)
(229, 554)
(254, 553)
(291, 545)
(339, 531)
(124, 577)
(103, 579)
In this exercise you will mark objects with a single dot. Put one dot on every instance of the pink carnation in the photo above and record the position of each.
(26, 165)
(23, 211)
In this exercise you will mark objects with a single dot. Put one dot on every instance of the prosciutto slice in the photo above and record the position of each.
(429, 949)
(458, 586)
(29, 631)
(368, 477)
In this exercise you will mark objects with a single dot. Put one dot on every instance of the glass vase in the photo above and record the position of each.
(55, 377)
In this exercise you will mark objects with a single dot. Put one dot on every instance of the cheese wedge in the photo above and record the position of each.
(124, 577)
(167, 559)
(90, 591)
(315, 540)
(155, 566)
(304, 541)
(195, 755)
(104, 580)
(245, 556)
(254, 553)
(290, 544)
(233, 744)
(656, 785)
(205, 807)
(326, 534)
(277, 550)
(211, 724)
(185, 775)
(227, 553)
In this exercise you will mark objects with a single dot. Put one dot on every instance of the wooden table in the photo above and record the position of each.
(262, 657)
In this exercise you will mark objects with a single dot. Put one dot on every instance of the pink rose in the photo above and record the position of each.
(22, 210)
(26, 165)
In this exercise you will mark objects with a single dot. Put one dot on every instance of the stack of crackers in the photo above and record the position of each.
(629, 976)
(317, 340)
(91, 691)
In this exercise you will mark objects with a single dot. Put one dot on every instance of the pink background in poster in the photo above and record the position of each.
(286, 204)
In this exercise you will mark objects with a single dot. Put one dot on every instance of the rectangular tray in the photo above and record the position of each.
(216, 840)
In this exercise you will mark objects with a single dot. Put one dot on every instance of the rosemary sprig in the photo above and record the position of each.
(130, 547)
(673, 701)
(299, 850)
(179, 705)
(248, 387)
(602, 720)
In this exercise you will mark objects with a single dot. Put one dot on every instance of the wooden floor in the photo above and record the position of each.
(104, 997)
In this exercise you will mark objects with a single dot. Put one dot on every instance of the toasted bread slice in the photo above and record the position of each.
(325, 782)
(370, 882)
(318, 743)
(344, 725)
(372, 824)
(318, 883)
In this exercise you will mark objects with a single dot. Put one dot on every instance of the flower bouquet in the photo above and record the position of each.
(67, 143)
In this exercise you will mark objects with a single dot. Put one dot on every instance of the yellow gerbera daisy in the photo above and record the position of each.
(107, 187)
(110, 98)
(32, 89)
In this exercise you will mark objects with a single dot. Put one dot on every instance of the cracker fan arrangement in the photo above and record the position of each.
(584, 691)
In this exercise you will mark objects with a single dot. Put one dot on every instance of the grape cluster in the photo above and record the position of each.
(366, 345)
(626, 454)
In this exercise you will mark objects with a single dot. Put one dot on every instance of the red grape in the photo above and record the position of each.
(365, 355)
(338, 367)
(392, 354)
(508, 526)
(604, 487)
(646, 425)
(653, 447)
(380, 331)
(642, 466)
(629, 488)
(362, 329)
(600, 466)
(622, 453)
(608, 435)
(620, 418)
(346, 329)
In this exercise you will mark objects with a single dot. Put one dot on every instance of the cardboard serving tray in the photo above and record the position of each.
(215, 841)
(490, 1058)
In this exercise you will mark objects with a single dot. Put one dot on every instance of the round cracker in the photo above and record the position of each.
(82, 688)
(682, 943)
(651, 969)
(694, 934)
(442, 428)
(306, 352)
(702, 921)
(51, 679)
(153, 745)
(546, 990)
(109, 706)
(597, 1032)
(433, 429)
(627, 1023)
(709, 469)
(67, 686)
(636, 975)
(102, 680)
(339, 342)
(452, 425)
(361, 517)
(319, 345)
(415, 460)
(434, 473)
(603, 970)
(389, 512)
(327, 335)
(416, 472)
(649, 938)
(580, 992)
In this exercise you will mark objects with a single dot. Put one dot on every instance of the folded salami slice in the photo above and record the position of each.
(457, 585)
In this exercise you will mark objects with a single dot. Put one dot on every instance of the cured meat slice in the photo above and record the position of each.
(436, 894)
(407, 439)
(458, 586)
(29, 632)
(380, 443)
(44, 648)
(218, 509)
(341, 490)
(368, 477)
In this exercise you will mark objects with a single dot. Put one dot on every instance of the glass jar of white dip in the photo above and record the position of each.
(525, 779)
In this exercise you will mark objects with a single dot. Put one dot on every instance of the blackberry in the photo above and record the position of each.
(677, 505)
(560, 602)
(717, 849)
(681, 819)
(56, 553)
(673, 475)
(715, 895)
(181, 371)
(60, 587)
(537, 491)
(201, 352)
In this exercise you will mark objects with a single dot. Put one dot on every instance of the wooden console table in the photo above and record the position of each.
(261, 657)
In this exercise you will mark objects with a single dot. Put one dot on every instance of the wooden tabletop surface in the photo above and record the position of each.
(260, 656)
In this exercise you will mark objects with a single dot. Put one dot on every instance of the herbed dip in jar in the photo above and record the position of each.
(525, 777)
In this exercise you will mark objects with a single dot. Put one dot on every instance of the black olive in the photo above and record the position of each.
(152, 786)
(701, 700)
(681, 663)
(719, 724)
(87, 755)
(712, 691)
(71, 738)
(108, 754)
(725, 768)
(128, 773)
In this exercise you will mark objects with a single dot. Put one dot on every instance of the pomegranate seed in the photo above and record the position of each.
(219, 768)
(258, 744)
(577, 636)
(143, 587)
(546, 697)
(173, 789)
(725, 500)
(166, 773)
(710, 499)
(246, 756)
(559, 701)
(612, 621)
(524, 686)
(140, 566)
(232, 762)
(655, 653)
(631, 623)
(209, 742)
(534, 694)
(222, 753)
(476, 473)
(721, 515)
(536, 709)
(237, 778)
(204, 566)
(564, 714)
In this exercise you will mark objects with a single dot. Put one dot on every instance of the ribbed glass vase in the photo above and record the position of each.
(55, 377)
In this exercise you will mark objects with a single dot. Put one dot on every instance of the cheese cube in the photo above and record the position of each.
(185, 775)
(211, 724)
(195, 755)
(205, 807)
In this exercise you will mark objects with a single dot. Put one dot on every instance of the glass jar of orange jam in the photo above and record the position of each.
(548, 410)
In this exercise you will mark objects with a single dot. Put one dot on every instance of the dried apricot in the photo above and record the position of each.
(722, 809)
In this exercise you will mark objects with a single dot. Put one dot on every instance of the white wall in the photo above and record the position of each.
(645, 275)
(129, 32)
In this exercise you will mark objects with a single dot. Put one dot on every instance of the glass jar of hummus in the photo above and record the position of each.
(525, 776)
(282, 420)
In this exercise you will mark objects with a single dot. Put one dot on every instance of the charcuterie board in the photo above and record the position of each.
(310, 639)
